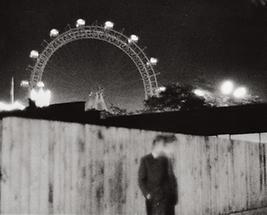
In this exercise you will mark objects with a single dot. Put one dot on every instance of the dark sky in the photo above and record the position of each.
(195, 41)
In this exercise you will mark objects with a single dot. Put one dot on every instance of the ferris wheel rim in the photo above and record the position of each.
(111, 36)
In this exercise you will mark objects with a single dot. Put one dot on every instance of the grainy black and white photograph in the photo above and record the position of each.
(133, 107)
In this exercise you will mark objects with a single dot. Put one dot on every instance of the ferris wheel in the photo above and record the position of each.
(106, 33)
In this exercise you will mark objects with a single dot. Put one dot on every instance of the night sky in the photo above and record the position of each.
(195, 41)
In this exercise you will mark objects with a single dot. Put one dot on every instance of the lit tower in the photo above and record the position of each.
(97, 102)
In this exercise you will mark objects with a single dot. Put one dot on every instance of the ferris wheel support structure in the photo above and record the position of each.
(105, 33)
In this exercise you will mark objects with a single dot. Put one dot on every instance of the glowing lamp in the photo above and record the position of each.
(33, 94)
(227, 87)
(108, 25)
(80, 23)
(24, 83)
(161, 89)
(199, 92)
(240, 92)
(34, 54)
(153, 61)
(54, 33)
(41, 97)
(133, 38)
(40, 84)
(13, 106)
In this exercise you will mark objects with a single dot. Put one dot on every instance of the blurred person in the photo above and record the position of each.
(156, 178)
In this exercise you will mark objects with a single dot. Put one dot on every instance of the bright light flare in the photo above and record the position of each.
(80, 23)
(41, 97)
(10, 107)
(24, 83)
(133, 38)
(240, 92)
(152, 61)
(161, 89)
(199, 92)
(54, 33)
(227, 87)
(40, 84)
(108, 25)
(34, 54)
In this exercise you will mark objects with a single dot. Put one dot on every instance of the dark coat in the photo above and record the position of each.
(156, 177)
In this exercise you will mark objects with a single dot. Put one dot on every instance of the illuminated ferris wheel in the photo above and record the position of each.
(105, 33)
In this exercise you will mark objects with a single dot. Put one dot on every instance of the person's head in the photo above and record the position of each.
(162, 144)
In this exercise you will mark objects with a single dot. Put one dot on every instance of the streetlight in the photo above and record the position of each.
(240, 92)
(227, 87)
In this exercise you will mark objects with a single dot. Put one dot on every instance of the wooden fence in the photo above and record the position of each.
(67, 168)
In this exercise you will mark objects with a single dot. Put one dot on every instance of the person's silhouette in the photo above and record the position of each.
(156, 178)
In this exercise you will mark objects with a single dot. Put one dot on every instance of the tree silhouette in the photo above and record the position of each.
(175, 97)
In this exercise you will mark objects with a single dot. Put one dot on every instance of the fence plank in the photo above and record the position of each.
(35, 166)
(59, 171)
(44, 167)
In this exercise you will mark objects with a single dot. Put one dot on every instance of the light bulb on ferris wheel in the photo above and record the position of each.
(133, 38)
(108, 25)
(152, 61)
(53, 33)
(80, 23)
(40, 84)
(34, 54)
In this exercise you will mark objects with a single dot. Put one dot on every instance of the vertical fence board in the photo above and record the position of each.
(88, 171)
(44, 167)
(71, 138)
(5, 168)
(68, 171)
(15, 167)
(254, 174)
(58, 174)
(51, 166)
(96, 142)
(10, 193)
(80, 170)
(35, 167)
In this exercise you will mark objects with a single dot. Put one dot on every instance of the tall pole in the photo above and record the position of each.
(12, 91)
